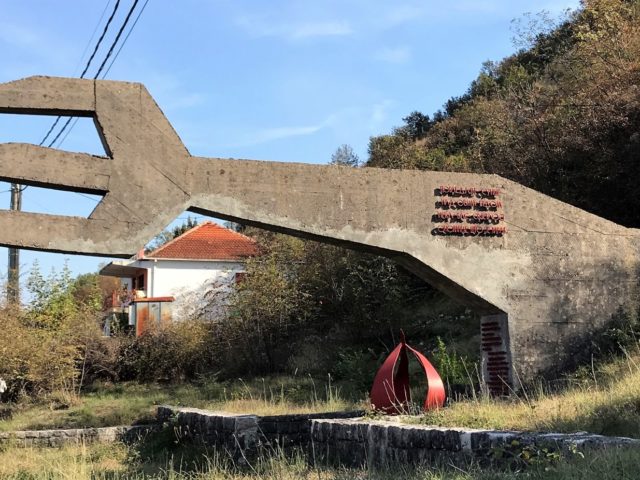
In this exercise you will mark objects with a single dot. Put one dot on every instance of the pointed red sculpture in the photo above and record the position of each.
(391, 392)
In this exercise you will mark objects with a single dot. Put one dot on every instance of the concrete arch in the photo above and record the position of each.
(556, 272)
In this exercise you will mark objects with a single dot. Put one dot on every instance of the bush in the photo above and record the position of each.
(178, 351)
(452, 368)
(55, 344)
(36, 361)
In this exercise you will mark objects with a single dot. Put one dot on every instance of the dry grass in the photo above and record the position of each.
(127, 403)
(116, 461)
(606, 401)
(70, 462)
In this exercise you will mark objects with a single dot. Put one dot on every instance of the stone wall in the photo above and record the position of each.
(57, 438)
(383, 443)
(357, 441)
(245, 433)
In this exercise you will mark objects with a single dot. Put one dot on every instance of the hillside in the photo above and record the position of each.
(561, 115)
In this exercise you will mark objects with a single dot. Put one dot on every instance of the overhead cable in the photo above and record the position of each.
(93, 54)
(102, 65)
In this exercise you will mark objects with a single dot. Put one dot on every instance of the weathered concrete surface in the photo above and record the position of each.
(556, 275)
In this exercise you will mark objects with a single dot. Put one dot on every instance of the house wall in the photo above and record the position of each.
(189, 282)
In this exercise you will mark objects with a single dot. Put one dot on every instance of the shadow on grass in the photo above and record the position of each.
(164, 451)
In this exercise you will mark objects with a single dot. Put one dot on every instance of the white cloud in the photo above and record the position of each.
(399, 14)
(18, 36)
(266, 135)
(321, 29)
(293, 30)
(379, 114)
(394, 54)
(278, 133)
(170, 92)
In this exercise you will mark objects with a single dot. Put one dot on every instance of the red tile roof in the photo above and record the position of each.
(207, 241)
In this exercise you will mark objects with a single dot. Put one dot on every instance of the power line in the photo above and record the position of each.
(113, 45)
(133, 26)
(16, 189)
(102, 65)
(68, 132)
(87, 196)
(135, 22)
(86, 48)
(126, 38)
(104, 62)
(64, 127)
(93, 54)
(104, 32)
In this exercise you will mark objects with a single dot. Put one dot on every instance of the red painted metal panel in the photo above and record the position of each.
(391, 391)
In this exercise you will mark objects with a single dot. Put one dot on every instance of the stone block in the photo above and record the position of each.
(229, 424)
(378, 434)
(452, 441)
(268, 427)
(246, 422)
(397, 437)
(436, 439)
(419, 438)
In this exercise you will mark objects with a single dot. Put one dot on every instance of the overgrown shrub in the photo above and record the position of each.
(51, 345)
(178, 351)
(35, 361)
(453, 368)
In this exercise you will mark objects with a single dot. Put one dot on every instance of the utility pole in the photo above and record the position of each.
(13, 284)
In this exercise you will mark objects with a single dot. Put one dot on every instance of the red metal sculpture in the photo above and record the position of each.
(391, 392)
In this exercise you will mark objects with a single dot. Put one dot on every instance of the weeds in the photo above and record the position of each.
(108, 404)
(603, 399)
(116, 462)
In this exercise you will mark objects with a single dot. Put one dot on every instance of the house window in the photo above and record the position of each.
(139, 282)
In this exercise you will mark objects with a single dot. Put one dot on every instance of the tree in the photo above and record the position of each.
(170, 233)
(345, 156)
(267, 306)
(416, 126)
(52, 300)
(554, 116)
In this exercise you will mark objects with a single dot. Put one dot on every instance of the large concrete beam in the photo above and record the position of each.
(554, 276)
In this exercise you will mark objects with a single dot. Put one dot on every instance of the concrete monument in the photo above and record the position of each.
(543, 275)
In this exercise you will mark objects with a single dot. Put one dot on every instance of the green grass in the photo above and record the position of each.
(116, 461)
(127, 403)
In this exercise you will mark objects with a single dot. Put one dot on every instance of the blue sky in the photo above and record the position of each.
(280, 80)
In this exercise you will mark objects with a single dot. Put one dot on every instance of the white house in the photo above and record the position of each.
(176, 280)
